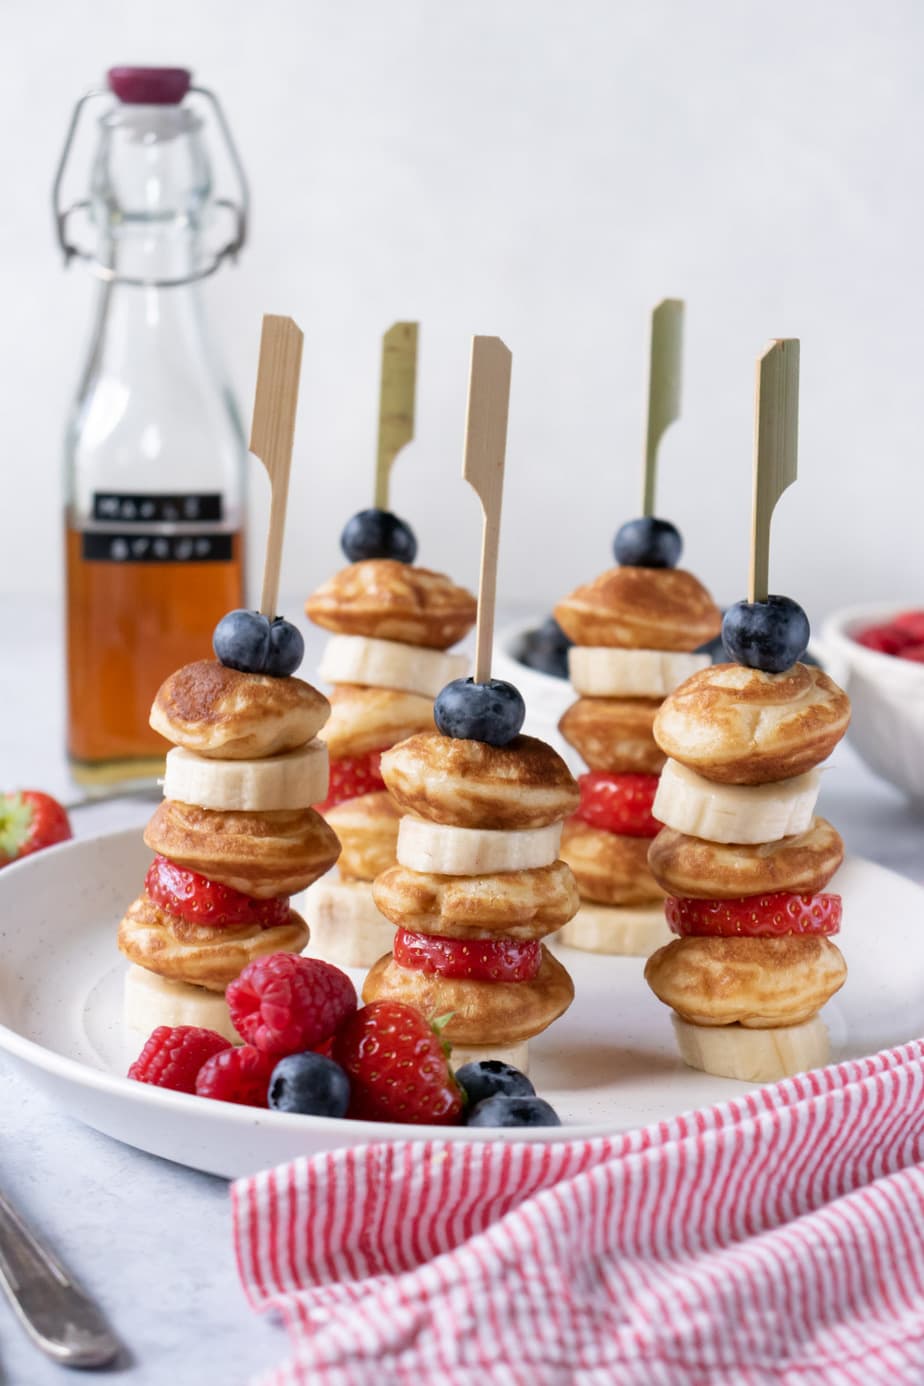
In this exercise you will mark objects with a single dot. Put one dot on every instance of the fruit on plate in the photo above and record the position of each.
(397, 1066)
(490, 1077)
(502, 1110)
(903, 636)
(311, 1084)
(284, 1003)
(29, 821)
(174, 1054)
(239, 1075)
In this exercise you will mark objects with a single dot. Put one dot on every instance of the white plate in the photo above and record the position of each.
(608, 1065)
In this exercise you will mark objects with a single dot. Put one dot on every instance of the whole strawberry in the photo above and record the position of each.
(398, 1067)
(174, 1054)
(29, 821)
(284, 1004)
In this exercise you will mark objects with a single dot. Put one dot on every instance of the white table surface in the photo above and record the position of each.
(152, 1240)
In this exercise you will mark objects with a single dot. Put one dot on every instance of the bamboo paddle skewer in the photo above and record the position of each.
(776, 436)
(272, 434)
(483, 469)
(665, 384)
(396, 402)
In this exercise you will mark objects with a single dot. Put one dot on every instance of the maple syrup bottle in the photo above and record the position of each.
(155, 451)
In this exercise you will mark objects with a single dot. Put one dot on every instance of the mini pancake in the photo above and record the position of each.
(741, 726)
(221, 712)
(469, 784)
(609, 868)
(518, 904)
(261, 854)
(204, 955)
(614, 734)
(387, 600)
(690, 866)
(759, 983)
(482, 1012)
(367, 827)
(368, 719)
(641, 609)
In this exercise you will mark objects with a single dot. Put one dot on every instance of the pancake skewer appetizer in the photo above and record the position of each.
(236, 835)
(478, 883)
(391, 625)
(636, 629)
(743, 858)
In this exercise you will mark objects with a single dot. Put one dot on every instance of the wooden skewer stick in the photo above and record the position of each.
(665, 384)
(776, 437)
(483, 469)
(396, 402)
(272, 434)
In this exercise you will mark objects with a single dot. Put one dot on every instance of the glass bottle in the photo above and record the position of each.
(155, 451)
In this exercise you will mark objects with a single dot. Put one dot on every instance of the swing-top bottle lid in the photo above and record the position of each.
(149, 86)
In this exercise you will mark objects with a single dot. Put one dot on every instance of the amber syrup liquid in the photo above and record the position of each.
(129, 625)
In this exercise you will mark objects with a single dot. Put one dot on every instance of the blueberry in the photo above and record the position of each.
(311, 1084)
(378, 534)
(491, 712)
(502, 1110)
(242, 641)
(489, 1077)
(286, 648)
(546, 649)
(771, 635)
(648, 543)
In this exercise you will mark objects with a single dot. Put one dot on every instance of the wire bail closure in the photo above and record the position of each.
(240, 210)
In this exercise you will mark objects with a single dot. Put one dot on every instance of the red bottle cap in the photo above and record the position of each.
(149, 86)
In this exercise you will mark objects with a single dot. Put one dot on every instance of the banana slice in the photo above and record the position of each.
(149, 1001)
(346, 927)
(734, 812)
(627, 931)
(754, 1056)
(597, 672)
(450, 851)
(359, 659)
(515, 1054)
(294, 780)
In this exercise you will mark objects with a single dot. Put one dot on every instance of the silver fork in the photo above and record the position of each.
(56, 1313)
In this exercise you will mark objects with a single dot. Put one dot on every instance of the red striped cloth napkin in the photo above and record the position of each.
(776, 1238)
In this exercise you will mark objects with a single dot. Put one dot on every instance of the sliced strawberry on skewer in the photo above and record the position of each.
(619, 803)
(755, 916)
(351, 776)
(479, 959)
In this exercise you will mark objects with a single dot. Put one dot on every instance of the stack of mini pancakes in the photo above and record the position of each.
(477, 886)
(392, 624)
(245, 769)
(745, 862)
(634, 630)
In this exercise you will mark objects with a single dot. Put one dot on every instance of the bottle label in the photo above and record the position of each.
(133, 529)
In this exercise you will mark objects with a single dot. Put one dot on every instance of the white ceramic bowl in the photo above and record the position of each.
(887, 694)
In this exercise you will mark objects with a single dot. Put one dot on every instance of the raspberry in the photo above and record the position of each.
(174, 1054)
(200, 901)
(755, 916)
(351, 776)
(479, 959)
(397, 1066)
(237, 1075)
(619, 803)
(887, 639)
(284, 1003)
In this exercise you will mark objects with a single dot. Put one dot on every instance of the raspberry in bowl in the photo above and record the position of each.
(876, 652)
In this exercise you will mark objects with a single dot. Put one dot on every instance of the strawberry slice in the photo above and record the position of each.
(351, 776)
(619, 803)
(200, 901)
(480, 960)
(755, 916)
(29, 821)
(397, 1065)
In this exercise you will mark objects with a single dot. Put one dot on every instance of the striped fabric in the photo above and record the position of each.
(776, 1238)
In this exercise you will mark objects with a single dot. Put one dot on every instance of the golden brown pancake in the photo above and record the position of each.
(519, 904)
(755, 982)
(482, 1012)
(741, 726)
(469, 784)
(614, 734)
(221, 712)
(690, 866)
(367, 827)
(203, 955)
(641, 609)
(368, 719)
(388, 600)
(609, 868)
(261, 854)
